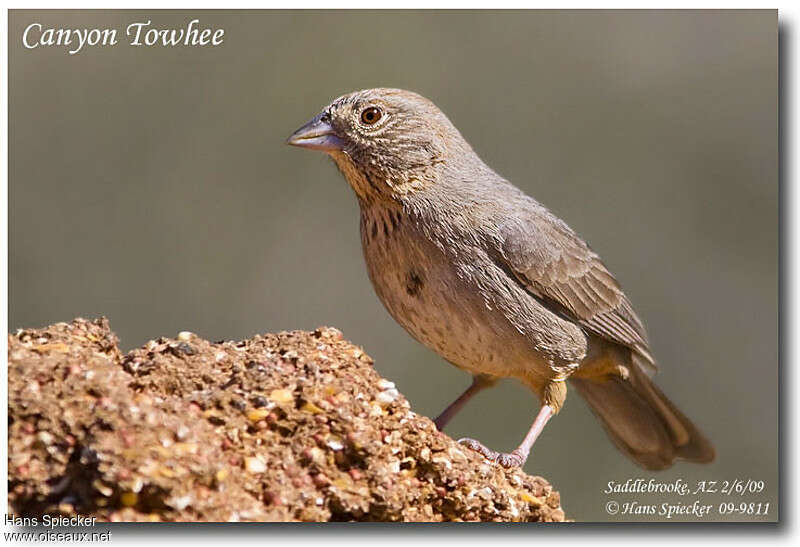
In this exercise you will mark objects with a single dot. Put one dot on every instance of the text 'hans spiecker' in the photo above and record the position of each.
(141, 33)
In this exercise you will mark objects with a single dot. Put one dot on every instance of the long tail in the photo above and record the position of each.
(642, 422)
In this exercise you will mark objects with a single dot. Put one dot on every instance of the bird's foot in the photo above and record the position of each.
(512, 459)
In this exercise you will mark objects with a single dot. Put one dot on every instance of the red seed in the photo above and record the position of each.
(321, 481)
(354, 473)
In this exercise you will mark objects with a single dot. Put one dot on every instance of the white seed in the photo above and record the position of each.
(385, 398)
(255, 465)
(45, 438)
(180, 503)
(182, 432)
(384, 385)
(333, 444)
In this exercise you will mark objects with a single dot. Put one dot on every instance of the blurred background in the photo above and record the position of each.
(153, 186)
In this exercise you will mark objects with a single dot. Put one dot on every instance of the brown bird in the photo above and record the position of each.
(491, 280)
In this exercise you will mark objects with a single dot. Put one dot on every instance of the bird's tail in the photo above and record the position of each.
(642, 422)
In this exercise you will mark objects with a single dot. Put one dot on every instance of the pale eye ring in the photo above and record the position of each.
(371, 115)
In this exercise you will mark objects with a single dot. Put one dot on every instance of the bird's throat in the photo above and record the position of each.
(371, 185)
(367, 190)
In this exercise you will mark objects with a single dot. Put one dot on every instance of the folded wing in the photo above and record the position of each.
(560, 270)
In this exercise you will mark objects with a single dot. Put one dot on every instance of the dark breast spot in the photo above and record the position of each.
(413, 283)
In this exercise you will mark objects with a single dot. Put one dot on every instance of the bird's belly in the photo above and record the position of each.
(422, 291)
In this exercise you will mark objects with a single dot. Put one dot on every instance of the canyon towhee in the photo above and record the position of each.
(491, 280)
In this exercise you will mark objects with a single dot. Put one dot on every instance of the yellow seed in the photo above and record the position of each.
(530, 499)
(311, 407)
(258, 414)
(54, 346)
(129, 499)
(221, 475)
(281, 395)
(185, 448)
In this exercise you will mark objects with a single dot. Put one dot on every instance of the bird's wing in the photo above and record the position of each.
(560, 270)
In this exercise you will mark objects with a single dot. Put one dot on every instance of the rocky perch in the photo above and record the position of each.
(295, 426)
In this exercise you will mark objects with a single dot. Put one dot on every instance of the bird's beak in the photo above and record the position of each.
(316, 135)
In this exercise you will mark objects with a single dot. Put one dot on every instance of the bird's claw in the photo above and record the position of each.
(512, 459)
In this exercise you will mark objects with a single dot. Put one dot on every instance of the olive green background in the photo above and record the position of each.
(153, 186)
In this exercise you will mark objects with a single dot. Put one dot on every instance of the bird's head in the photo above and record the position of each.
(387, 142)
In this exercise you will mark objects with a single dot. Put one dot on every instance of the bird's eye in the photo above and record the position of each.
(370, 115)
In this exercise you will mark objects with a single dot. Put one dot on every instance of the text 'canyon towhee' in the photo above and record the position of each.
(491, 280)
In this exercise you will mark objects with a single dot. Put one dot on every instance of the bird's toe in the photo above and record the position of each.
(513, 459)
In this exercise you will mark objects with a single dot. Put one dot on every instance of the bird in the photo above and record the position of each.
(491, 280)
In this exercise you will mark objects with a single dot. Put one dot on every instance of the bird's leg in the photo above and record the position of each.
(479, 383)
(519, 456)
